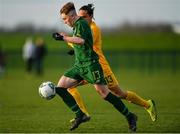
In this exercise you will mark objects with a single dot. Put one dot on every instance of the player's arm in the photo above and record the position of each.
(74, 40)
(63, 37)
(60, 37)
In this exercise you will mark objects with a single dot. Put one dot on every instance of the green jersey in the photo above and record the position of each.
(86, 66)
(83, 53)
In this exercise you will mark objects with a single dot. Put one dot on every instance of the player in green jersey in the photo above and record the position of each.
(86, 67)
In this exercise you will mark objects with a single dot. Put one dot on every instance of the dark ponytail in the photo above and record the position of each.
(89, 8)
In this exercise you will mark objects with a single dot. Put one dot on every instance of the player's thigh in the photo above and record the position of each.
(102, 90)
(81, 83)
(66, 82)
(110, 80)
(70, 78)
(113, 85)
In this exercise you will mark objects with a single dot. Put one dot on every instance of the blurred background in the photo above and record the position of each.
(137, 34)
(141, 41)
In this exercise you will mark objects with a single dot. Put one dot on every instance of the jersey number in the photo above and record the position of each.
(96, 75)
(109, 79)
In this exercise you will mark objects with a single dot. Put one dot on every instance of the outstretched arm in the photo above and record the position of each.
(63, 37)
(74, 40)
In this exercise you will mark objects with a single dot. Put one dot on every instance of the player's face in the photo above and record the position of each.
(85, 15)
(68, 19)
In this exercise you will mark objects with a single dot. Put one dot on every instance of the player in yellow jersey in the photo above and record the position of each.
(87, 13)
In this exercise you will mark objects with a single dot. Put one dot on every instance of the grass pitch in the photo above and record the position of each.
(22, 110)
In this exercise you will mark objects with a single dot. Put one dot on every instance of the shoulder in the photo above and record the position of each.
(94, 27)
(81, 22)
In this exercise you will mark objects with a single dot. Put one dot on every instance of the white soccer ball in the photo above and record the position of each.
(47, 90)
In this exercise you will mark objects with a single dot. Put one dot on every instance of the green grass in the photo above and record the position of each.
(22, 110)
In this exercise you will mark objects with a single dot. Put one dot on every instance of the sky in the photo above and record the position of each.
(107, 12)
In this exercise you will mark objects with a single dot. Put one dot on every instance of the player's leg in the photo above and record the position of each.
(64, 83)
(75, 93)
(118, 104)
(128, 95)
(131, 96)
(61, 89)
(134, 98)
(94, 75)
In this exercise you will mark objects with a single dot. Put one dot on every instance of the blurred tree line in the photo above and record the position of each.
(27, 28)
(125, 27)
(139, 27)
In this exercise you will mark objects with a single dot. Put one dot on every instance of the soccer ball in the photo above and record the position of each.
(47, 90)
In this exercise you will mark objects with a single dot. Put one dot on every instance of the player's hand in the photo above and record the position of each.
(57, 36)
(70, 52)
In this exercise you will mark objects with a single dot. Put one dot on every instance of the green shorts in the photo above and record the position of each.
(92, 73)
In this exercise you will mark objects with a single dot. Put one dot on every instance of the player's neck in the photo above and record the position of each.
(75, 19)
